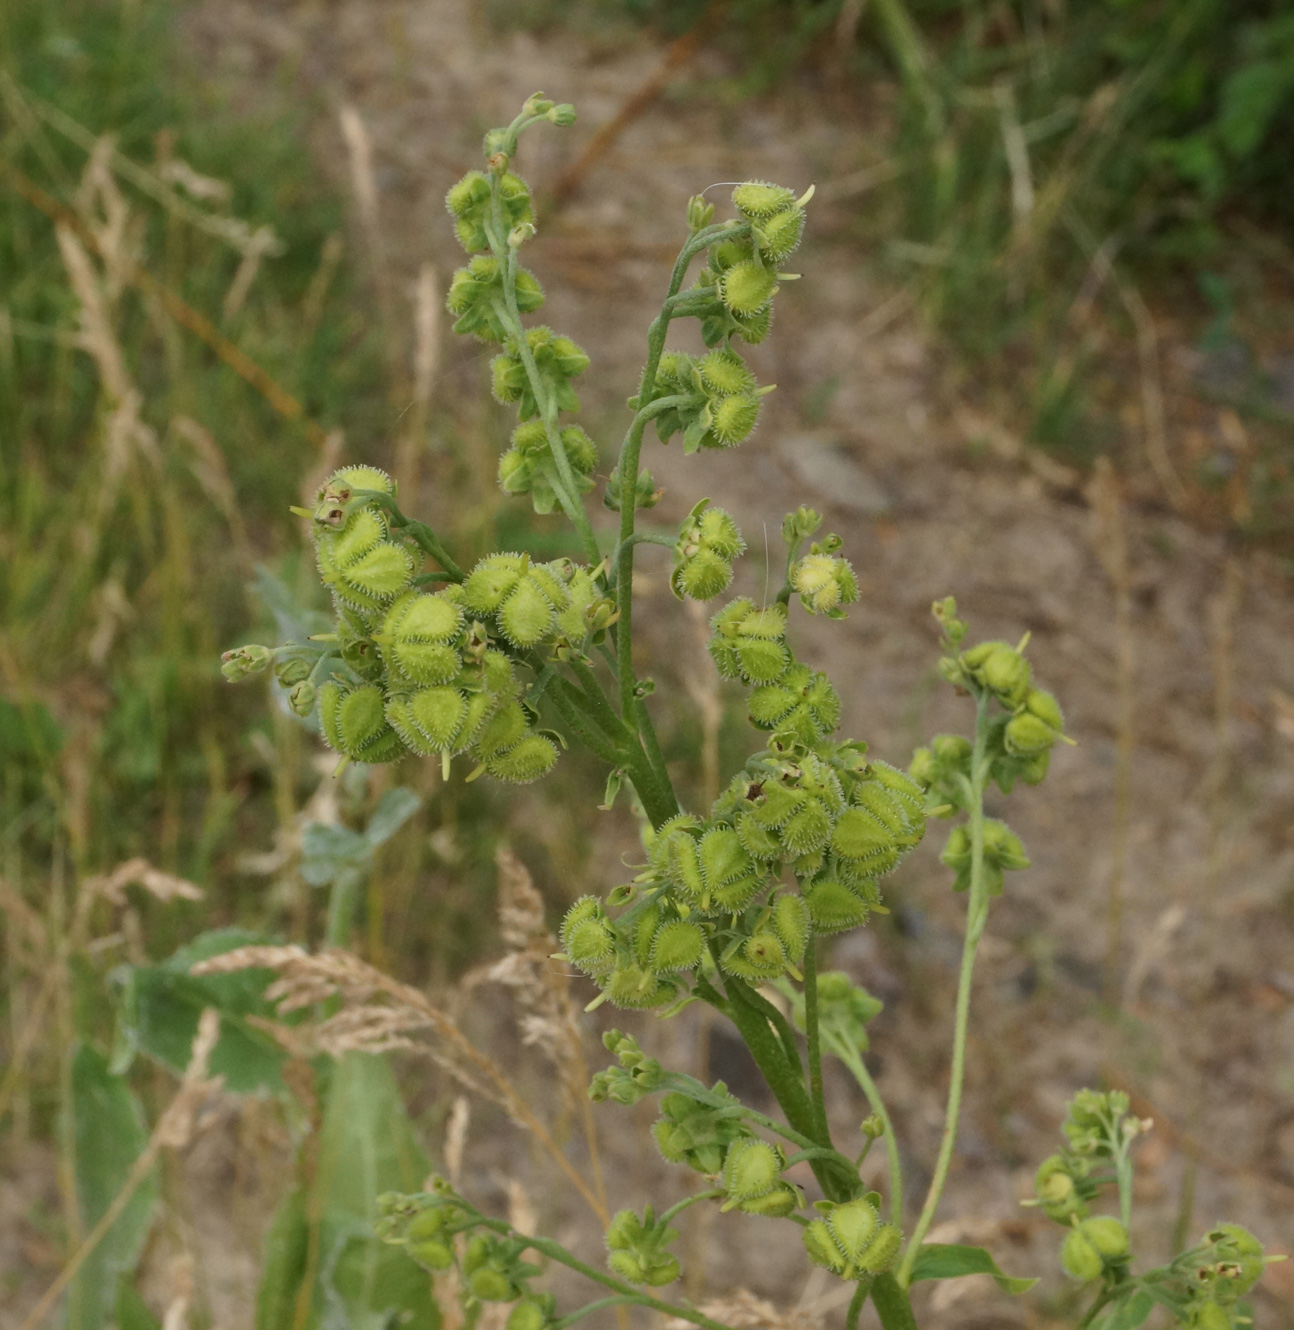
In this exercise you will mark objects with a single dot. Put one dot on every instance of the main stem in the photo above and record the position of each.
(976, 916)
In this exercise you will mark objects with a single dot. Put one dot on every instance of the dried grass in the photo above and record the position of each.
(378, 1014)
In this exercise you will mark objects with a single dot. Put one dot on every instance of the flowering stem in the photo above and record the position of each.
(679, 1206)
(976, 916)
(853, 1060)
(556, 1252)
(627, 467)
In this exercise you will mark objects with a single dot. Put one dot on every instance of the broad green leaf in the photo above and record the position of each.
(1128, 1313)
(323, 1232)
(937, 1260)
(328, 850)
(109, 1135)
(393, 810)
(131, 1312)
(160, 1006)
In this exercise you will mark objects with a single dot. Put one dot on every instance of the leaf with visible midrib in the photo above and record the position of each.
(937, 1260)
(366, 1147)
(109, 1135)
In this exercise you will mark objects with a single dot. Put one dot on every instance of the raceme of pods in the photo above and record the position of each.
(728, 904)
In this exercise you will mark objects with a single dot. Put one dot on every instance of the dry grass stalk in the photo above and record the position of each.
(174, 1130)
(743, 1310)
(376, 1012)
(1110, 541)
(426, 362)
(52, 946)
(542, 989)
(1222, 611)
(211, 472)
(460, 1117)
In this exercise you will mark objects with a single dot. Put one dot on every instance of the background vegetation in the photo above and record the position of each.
(1087, 203)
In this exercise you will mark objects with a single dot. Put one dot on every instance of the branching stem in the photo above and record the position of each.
(976, 916)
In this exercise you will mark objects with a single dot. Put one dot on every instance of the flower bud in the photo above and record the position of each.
(242, 661)
(292, 671)
(537, 104)
(562, 115)
(1027, 735)
(872, 1127)
(301, 698)
(699, 213)
(1006, 673)
(1079, 1257)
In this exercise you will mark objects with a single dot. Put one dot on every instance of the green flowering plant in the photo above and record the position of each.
(507, 661)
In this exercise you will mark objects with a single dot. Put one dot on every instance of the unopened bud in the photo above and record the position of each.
(699, 213)
(563, 114)
(242, 661)
(1079, 1257)
(302, 698)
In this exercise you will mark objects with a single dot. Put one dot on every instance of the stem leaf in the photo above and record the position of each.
(939, 1260)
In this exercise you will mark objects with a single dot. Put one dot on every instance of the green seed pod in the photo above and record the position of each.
(425, 1224)
(724, 373)
(437, 715)
(351, 719)
(1210, 1316)
(784, 1199)
(753, 1168)
(1240, 1248)
(1006, 672)
(793, 925)
(491, 580)
(821, 1247)
(758, 841)
(635, 988)
(1108, 1236)
(702, 576)
(759, 957)
(1079, 1257)
(759, 199)
(716, 531)
(1042, 704)
(722, 857)
(526, 1315)
(761, 661)
(527, 761)
(430, 1253)
(883, 1250)
(747, 287)
(491, 1285)
(808, 830)
(771, 704)
(1026, 735)
(731, 419)
(852, 1226)
(504, 729)
(778, 237)
(834, 908)
(526, 616)
(858, 834)
(736, 895)
(677, 945)
(777, 804)
(824, 583)
(753, 328)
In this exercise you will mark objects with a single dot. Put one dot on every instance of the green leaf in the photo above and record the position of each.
(327, 851)
(160, 1006)
(393, 810)
(937, 1260)
(131, 1312)
(1128, 1313)
(323, 1233)
(109, 1135)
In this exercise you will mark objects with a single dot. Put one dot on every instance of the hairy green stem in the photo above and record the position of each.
(853, 1060)
(976, 916)
(556, 1252)
(679, 1206)
(572, 1318)
(814, 1037)
(565, 698)
(892, 1303)
(631, 449)
(856, 1304)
